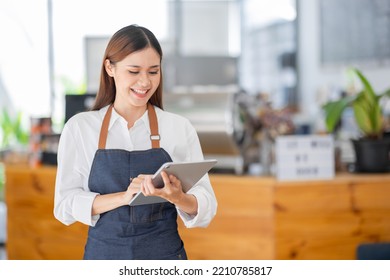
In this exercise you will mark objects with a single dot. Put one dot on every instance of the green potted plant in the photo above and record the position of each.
(14, 138)
(371, 148)
(12, 130)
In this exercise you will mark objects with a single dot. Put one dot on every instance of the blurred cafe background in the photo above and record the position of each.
(253, 76)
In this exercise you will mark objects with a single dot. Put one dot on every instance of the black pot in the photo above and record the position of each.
(372, 155)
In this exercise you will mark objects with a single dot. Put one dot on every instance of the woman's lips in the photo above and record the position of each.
(140, 92)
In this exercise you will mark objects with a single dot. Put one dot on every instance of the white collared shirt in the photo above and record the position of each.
(78, 144)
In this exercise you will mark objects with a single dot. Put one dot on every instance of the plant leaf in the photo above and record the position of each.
(6, 125)
(368, 116)
(12, 129)
(369, 101)
(333, 111)
(362, 117)
(368, 90)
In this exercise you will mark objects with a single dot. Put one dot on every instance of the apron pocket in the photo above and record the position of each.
(147, 213)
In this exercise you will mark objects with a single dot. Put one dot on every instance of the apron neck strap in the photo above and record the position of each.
(104, 128)
(153, 124)
(154, 135)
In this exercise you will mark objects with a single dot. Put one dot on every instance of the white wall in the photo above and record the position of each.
(24, 73)
(312, 75)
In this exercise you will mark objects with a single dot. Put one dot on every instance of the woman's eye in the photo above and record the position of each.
(133, 72)
(153, 73)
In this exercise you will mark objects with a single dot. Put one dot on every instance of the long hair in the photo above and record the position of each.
(125, 41)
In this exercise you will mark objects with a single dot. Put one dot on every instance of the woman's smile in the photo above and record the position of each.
(140, 93)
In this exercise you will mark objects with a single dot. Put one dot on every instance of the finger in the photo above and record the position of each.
(148, 186)
(133, 186)
(143, 189)
(138, 179)
(165, 178)
(150, 189)
(175, 181)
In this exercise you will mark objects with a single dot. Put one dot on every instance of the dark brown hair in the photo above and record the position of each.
(125, 41)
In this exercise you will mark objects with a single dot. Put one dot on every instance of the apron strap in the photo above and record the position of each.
(104, 128)
(154, 136)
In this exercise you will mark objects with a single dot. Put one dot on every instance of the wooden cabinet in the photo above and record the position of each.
(32, 230)
(243, 226)
(328, 220)
(258, 218)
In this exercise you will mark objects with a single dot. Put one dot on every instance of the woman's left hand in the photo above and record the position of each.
(172, 190)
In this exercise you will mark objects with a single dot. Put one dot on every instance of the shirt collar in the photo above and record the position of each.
(116, 117)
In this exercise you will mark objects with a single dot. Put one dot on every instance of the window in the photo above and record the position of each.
(269, 50)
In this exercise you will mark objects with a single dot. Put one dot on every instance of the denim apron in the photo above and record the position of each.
(131, 232)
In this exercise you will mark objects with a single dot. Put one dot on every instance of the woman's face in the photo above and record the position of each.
(136, 77)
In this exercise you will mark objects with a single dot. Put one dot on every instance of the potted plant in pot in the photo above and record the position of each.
(371, 148)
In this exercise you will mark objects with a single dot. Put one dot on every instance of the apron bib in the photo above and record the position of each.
(131, 232)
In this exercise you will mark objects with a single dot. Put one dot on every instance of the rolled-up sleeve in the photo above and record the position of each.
(72, 199)
(207, 206)
(203, 191)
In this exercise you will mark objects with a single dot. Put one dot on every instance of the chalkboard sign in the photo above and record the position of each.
(354, 31)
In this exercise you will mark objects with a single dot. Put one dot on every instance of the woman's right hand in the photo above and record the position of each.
(133, 188)
(110, 201)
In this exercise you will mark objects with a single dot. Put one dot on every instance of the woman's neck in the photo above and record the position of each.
(130, 113)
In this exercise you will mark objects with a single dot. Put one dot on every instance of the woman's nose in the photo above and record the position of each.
(144, 81)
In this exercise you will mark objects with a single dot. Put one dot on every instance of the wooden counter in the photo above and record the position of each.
(258, 218)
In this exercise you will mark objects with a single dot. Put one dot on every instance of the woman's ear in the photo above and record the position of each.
(108, 67)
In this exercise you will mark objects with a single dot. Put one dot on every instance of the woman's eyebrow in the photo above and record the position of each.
(137, 66)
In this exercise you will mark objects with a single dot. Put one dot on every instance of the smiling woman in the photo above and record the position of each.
(105, 156)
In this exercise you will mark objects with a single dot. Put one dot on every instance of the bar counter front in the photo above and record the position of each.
(258, 218)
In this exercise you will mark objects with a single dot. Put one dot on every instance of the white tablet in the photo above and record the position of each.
(189, 173)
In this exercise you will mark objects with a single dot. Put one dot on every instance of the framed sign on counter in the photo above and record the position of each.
(305, 157)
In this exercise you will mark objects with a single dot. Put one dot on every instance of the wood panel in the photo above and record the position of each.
(32, 230)
(329, 219)
(242, 228)
(257, 218)
(32, 226)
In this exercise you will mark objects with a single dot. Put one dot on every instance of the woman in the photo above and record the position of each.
(105, 154)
